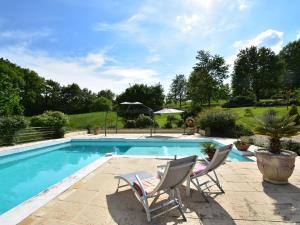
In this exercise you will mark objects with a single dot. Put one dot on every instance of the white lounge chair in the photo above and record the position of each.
(146, 186)
(205, 168)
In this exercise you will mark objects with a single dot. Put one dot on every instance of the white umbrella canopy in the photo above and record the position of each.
(168, 110)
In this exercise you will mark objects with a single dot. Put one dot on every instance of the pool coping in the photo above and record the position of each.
(23, 210)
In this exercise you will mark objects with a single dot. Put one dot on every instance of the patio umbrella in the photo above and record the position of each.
(168, 110)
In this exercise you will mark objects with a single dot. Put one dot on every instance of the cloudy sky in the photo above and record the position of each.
(102, 44)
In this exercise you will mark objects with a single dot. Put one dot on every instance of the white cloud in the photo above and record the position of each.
(177, 21)
(187, 23)
(153, 58)
(88, 71)
(268, 38)
(298, 35)
(24, 35)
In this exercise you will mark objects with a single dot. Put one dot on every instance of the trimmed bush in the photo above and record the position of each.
(241, 130)
(9, 126)
(144, 121)
(239, 101)
(168, 125)
(277, 102)
(180, 123)
(221, 123)
(130, 124)
(51, 119)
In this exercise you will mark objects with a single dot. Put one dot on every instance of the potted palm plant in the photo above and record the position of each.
(274, 163)
(209, 149)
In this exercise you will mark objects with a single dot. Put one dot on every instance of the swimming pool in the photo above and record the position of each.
(25, 174)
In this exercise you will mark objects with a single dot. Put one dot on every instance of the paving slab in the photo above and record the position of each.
(247, 200)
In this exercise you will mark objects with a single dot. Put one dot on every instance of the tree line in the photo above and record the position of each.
(258, 73)
(23, 91)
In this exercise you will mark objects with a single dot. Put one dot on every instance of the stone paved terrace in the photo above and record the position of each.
(247, 200)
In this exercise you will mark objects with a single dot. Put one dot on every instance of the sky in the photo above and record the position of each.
(112, 44)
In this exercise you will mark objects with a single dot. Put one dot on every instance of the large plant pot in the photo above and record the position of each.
(276, 168)
(210, 155)
(241, 146)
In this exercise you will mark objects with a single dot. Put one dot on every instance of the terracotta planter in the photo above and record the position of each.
(242, 146)
(276, 168)
(210, 155)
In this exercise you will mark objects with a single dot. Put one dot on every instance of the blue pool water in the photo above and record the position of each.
(24, 175)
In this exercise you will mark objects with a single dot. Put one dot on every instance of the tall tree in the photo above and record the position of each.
(9, 98)
(207, 77)
(107, 94)
(256, 72)
(178, 89)
(291, 56)
(51, 94)
(151, 96)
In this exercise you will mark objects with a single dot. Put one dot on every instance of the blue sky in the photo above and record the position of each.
(112, 44)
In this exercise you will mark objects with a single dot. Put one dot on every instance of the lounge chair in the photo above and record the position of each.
(205, 168)
(146, 186)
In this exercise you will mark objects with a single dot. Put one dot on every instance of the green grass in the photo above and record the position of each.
(82, 121)
(251, 122)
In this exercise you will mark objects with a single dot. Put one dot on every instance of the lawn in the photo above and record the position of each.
(82, 121)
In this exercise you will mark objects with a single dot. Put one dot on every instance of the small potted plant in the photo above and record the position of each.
(97, 129)
(209, 149)
(241, 145)
(276, 164)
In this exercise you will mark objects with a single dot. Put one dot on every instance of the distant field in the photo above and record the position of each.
(82, 121)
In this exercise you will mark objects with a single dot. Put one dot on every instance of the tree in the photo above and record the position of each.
(71, 99)
(107, 94)
(101, 104)
(51, 94)
(178, 89)
(207, 78)
(256, 72)
(31, 94)
(290, 54)
(9, 98)
(151, 96)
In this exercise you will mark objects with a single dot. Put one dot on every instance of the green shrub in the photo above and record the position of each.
(276, 102)
(168, 125)
(239, 101)
(241, 130)
(221, 123)
(130, 124)
(9, 126)
(294, 111)
(180, 123)
(51, 119)
(171, 118)
(144, 121)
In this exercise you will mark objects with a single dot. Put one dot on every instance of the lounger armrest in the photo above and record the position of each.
(141, 185)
